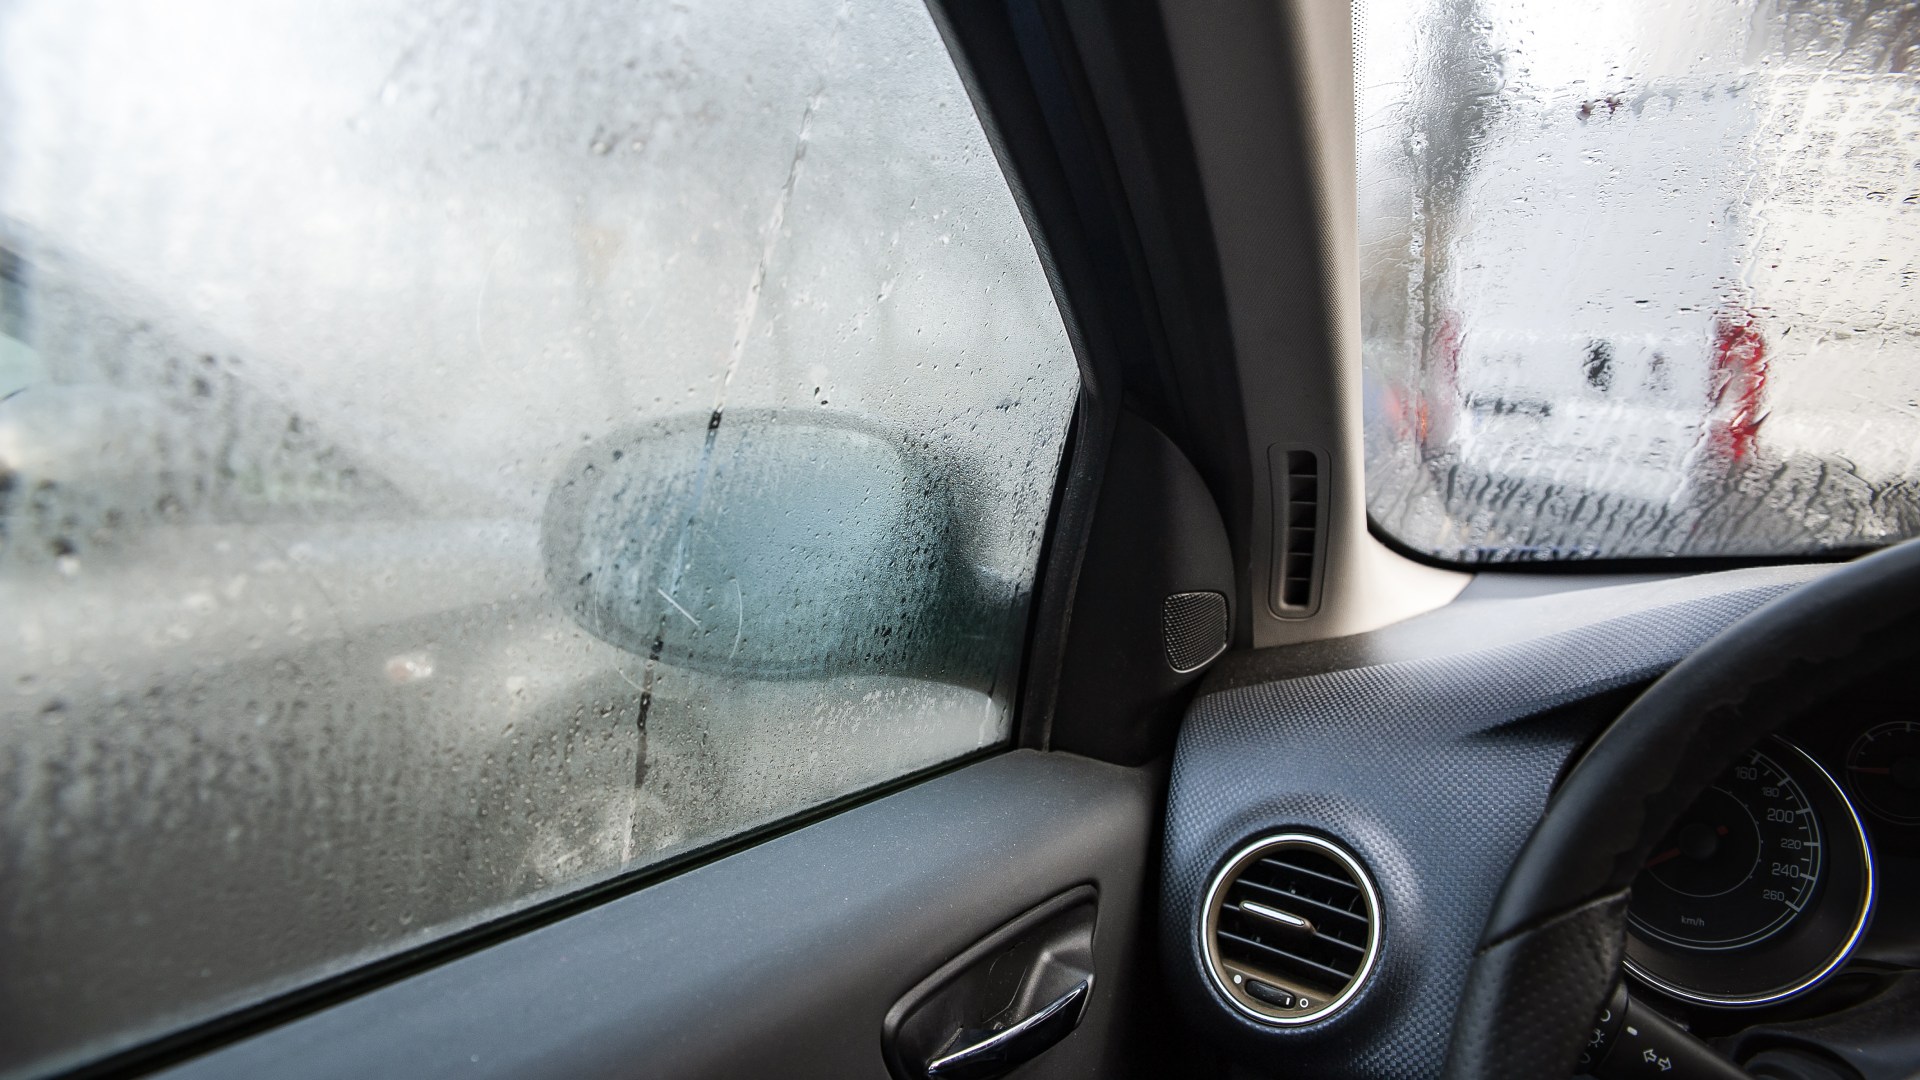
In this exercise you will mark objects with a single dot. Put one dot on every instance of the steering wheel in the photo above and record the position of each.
(1552, 948)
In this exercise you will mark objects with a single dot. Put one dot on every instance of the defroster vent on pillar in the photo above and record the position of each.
(1300, 491)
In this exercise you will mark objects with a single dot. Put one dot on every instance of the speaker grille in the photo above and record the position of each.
(1194, 626)
(1291, 928)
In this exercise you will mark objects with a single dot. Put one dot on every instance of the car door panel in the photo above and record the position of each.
(784, 957)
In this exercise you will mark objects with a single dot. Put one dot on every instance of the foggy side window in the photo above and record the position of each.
(1643, 280)
(452, 454)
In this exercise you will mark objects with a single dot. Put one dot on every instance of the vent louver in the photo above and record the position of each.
(1291, 928)
(1300, 520)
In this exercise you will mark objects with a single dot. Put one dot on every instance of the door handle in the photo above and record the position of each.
(980, 1054)
(1006, 1000)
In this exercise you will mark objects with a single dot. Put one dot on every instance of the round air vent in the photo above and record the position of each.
(1291, 927)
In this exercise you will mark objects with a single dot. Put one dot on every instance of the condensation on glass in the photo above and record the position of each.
(1640, 279)
(451, 454)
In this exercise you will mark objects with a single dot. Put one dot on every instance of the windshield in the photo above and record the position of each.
(1642, 283)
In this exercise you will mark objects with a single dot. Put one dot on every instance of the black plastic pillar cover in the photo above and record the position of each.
(1157, 533)
(1003, 1001)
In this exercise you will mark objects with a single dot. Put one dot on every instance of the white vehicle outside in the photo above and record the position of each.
(1639, 287)
(1596, 290)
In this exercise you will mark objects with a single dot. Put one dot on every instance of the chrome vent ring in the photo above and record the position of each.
(1291, 928)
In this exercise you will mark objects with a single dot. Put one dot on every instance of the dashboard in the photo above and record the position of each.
(1782, 915)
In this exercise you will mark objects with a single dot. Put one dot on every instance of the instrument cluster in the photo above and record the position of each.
(1771, 881)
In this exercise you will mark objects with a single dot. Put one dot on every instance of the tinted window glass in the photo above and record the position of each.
(451, 454)
(1641, 281)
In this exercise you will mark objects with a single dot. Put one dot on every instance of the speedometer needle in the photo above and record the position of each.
(1674, 853)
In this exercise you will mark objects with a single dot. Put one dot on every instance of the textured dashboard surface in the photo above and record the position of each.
(1430, 753)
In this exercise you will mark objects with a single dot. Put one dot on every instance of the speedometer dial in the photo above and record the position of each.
(1760, 892)
(1739, 867)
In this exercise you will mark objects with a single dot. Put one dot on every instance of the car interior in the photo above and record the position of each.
(504, 582)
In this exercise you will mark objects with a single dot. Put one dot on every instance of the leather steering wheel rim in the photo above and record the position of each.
(1553, 944)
